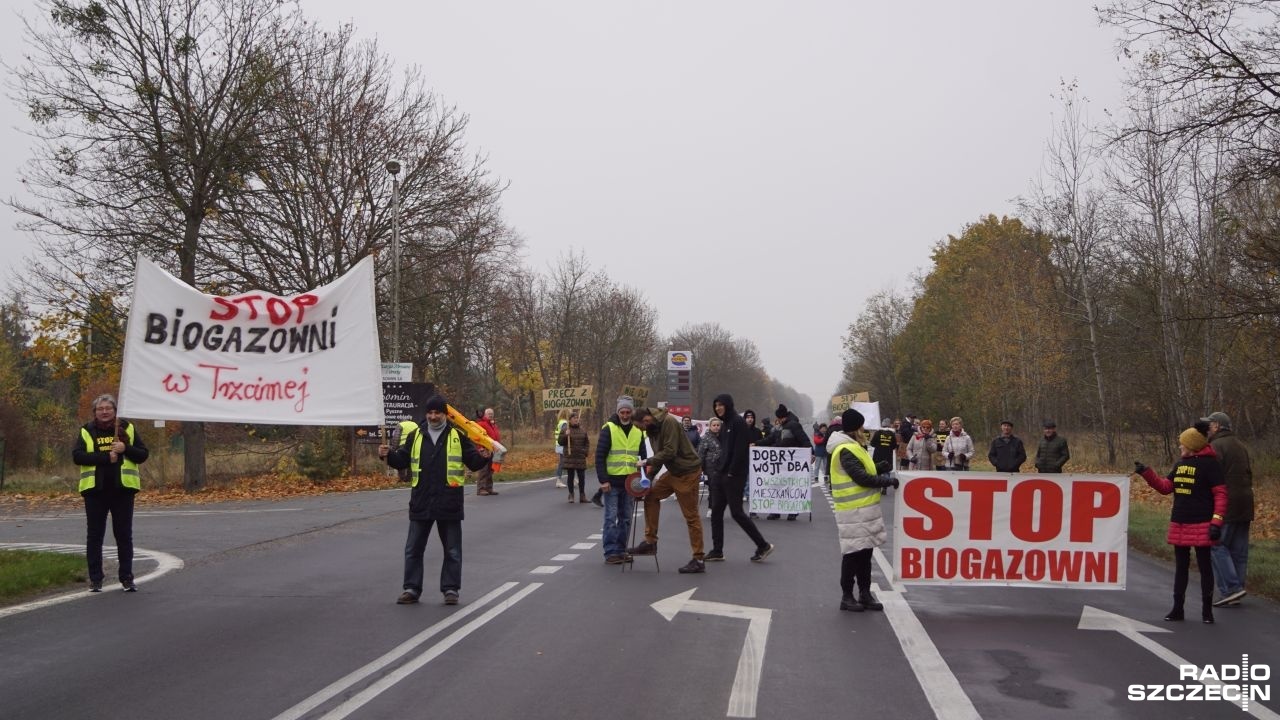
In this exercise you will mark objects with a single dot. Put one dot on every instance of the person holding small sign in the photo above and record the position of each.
(855, 490)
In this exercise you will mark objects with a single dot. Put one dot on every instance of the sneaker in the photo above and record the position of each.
(95, 586)
(560, 483)
(695, 566)
(762, 553)
(644, 548)
(451, 597)
(713, 556)
(772, 516)
(128, 586)
(493, 492)
(615, 560)
(408, 597)
(792, 517)
(1231, 598)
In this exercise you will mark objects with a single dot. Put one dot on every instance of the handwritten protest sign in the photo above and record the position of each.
(780, 479)
(568, 398)
(309, 359)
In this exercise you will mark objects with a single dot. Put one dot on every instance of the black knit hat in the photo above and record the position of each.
(851, 420)
(781, 412)
(436, 403)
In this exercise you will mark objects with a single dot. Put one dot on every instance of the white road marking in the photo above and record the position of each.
(887, 570)
(566, 557)
(364, 696)
(342, 684)
(165, 564)
(545, 569)
(941, 688)
(595, 536)
(582, 546)
(1092, 618)
(746, 682)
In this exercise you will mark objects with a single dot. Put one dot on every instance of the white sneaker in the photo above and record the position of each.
(560, 484)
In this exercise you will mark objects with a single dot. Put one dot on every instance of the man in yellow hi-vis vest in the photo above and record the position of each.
(108, 451)
(437, 455)
(855, 491)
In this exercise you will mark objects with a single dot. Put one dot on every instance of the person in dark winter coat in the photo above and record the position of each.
(438, 454)
(1007, 453)
(577, 445)
(735, 456)
(109, 451)
(787, 432)
(1231, 556)
(691, 431)
(1199, 502)
(856, 482)
(1053, 452)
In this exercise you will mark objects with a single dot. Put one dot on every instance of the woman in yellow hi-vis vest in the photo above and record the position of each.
(855, 490)
(108, 451)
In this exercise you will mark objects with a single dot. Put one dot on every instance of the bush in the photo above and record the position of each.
(323, 456)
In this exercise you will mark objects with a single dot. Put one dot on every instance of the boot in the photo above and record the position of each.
(1175, 615)
(848, 603)
(868, 601)
(1206, 609)
(582, 498)
(570, 496)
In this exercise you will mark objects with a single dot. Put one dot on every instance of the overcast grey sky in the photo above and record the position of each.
(763, 165)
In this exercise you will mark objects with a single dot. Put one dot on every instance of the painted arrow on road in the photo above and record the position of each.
(1094, 619)
(746, 683)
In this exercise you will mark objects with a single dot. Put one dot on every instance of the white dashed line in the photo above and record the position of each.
(582, 546)
(565, 557)
(545, 569)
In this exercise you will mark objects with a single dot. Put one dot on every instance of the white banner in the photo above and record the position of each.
(780, 479)
(310, 359)
(975, 528)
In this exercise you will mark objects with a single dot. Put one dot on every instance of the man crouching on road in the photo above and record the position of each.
(435, 454)
(671, 447)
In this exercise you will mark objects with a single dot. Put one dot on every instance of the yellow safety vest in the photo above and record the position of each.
(624, 449)
(559, 426)
(455, 474)
(847, 494)
(128, 469)
(406, 427)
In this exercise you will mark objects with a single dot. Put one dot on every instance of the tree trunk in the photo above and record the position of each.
(193, 433)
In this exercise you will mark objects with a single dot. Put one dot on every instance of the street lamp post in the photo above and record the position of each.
(393, 167)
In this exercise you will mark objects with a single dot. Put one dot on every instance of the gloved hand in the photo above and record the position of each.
(1215, 532)
(883, 467)
(1139, 467)
(894, 480)
(951, 457)
(963, 458)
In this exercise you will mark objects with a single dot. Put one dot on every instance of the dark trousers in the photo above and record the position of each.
(855, 566)
(582, 480)
(450, 532)
(97, 504)
(1182, 572)
(727, 492)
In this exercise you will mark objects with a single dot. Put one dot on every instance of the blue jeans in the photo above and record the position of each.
(450, 532)
(1231, 557)
(617, 519)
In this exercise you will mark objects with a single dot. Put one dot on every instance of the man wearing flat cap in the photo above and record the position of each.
(1231, 555)
(1052, 453)
(1007, 452)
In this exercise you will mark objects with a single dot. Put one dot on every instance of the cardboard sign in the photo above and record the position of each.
(580, 398)
(780, 479)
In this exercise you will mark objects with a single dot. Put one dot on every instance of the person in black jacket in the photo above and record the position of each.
(1007, 453)
(735, 456)
(108, 451)
(439, 451)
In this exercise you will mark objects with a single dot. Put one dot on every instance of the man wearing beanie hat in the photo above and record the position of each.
(619, 448)
(787, 432)
(1199, 501)
(1231, 556)
(435, 453)
(855, 493)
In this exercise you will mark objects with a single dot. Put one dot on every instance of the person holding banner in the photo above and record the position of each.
(1199, 503)
(672, 449)
(108, 451)
(436, 454)
(787, 432)
(855, 491)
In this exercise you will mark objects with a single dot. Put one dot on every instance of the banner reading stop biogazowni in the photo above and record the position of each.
(310, 359)
(974, 528)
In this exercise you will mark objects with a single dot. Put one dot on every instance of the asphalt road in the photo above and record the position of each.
(286, 610)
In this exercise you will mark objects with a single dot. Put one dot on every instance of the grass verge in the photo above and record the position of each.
(24, 573)
(1149, 525)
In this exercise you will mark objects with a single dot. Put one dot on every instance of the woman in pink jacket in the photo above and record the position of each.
(1199, 502)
